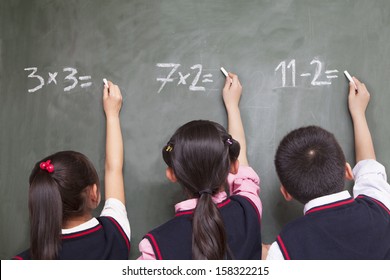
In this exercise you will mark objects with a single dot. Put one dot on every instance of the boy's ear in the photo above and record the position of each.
(170, 175)
(348, 172)
(285, 193)
(234, 166)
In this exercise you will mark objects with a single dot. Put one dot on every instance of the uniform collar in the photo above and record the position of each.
(336, 198)
(84, 226)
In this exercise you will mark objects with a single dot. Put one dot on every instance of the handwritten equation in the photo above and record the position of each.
(72, 79)
(287, 69)
(320, 77)
(197, 82)
(195, 78)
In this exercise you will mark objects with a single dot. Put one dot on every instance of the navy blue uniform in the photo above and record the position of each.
(173, 239)
(348, 229)
(105, 241)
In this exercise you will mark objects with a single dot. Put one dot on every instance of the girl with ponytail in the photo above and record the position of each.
(210, 225)
(64, 190)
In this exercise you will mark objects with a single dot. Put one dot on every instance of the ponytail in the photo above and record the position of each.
(209, 241)
(45, 207)
(56, 195)
(200, 153)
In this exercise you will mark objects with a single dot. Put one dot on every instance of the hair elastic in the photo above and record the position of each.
(46, 165)
(229, 141)
(208, 191)
(169, 148)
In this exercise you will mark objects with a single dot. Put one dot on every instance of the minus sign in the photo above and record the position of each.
(305, 74)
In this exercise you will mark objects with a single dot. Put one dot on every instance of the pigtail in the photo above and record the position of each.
(45, 206)
(209, 240)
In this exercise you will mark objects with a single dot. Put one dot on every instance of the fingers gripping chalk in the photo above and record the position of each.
(226, 74)
(106, 85)
(350, 78)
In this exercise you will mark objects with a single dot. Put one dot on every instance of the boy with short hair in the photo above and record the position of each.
(311, 167)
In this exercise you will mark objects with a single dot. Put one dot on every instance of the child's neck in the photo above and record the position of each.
(76, 221)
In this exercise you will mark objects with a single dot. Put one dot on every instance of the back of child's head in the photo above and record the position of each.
(200, 154)
(310, 163)
(58, 192)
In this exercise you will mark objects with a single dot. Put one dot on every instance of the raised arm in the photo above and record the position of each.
(358, 102)
(113, 181)
(231, 97)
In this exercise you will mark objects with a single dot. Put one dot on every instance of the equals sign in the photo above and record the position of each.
(331, 72)
(85, 78)
(206, 78)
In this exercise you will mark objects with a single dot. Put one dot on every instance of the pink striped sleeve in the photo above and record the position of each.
(146, 250)
(246, 183)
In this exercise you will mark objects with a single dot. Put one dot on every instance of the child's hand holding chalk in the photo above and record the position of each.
(358, 100)
(105, 82)
(112, 99)
(349, 77)
(226, 74)
(106, 85)
(232, 92)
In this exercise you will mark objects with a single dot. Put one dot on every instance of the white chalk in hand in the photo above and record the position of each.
(350, 78)
(226, 74)
(105, 82)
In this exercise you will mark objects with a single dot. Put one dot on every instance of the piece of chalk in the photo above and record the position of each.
(224, 72)
(350, 78)
(105, 82)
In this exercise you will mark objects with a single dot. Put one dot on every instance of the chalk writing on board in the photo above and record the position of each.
(196, 83)
(72, 79)
(318, 75)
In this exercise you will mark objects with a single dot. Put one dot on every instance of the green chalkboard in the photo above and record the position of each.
(165, 55)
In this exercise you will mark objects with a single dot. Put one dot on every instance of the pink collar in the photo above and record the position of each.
(190, 204)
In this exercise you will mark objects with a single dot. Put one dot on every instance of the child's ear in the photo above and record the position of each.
(93, 195)
(285, 193)
(348, 172)
(170, 175)
(234, 166)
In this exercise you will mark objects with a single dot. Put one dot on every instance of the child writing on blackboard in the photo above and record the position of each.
(64, 190)
(209, 224)
(311, 167)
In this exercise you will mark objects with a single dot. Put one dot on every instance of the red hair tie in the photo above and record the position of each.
(46, 165)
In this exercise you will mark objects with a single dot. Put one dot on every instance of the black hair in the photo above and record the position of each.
(200, 153)
(56, 196)
(310, 163)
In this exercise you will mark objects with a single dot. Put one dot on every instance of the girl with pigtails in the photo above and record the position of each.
(64, 190)
(203, 158)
